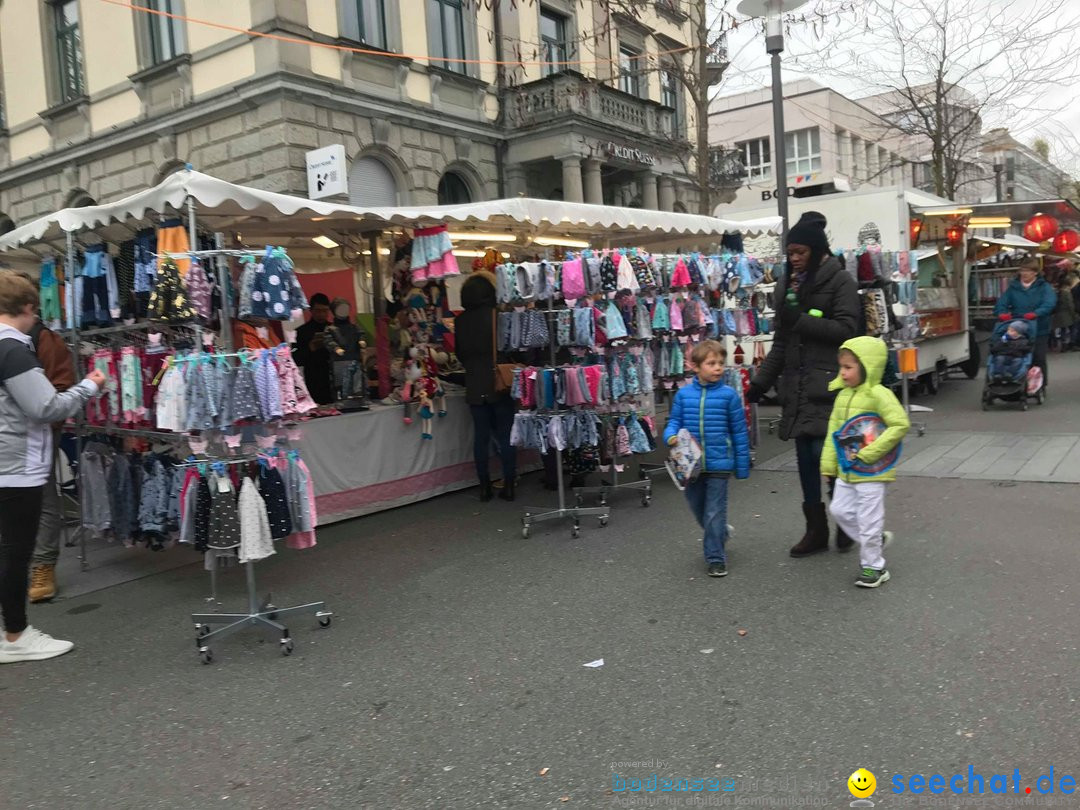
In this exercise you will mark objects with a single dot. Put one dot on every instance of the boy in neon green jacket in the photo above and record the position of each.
(858, 504)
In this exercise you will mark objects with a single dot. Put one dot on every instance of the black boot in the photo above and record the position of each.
(507, 493)
(817, 531)
(843, 542)
(486, 492)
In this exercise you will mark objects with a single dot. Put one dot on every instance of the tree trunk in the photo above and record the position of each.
(701, 105)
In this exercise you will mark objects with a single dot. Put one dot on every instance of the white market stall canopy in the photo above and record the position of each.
(266, 215)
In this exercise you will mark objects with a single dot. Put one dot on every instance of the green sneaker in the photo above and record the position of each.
(872, 578)
(717, 570)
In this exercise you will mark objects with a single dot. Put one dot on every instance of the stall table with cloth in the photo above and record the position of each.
(367, 461)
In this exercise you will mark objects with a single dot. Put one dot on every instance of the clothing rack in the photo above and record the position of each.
(262, 615)
(642, 485)
(562, 512)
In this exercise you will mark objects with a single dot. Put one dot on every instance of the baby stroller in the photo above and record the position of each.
(1011, 379)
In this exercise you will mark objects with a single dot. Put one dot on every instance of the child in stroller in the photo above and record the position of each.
(1009, 348)
(1011, 353)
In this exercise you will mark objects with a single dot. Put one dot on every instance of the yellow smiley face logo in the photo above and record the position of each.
(861, 783)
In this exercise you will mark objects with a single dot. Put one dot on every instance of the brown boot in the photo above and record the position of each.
(817, 531)
(42, 583)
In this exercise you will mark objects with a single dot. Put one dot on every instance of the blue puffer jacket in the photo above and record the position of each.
(714, 416)
(1039, 298)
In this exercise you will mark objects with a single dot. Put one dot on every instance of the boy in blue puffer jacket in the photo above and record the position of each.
(713, 414)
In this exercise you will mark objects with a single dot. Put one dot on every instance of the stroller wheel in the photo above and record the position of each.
(1024, 404)
(985, 404)
(1041, 396)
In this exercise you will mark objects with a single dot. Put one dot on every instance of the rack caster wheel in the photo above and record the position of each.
(202, 630)
(575, 531)
(603, 521)
(286, 646)
(922, 431)
(525, 532)
(645, 501)
(206, 655)
(324, 621)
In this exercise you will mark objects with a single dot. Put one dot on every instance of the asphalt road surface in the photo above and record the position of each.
(453, 673)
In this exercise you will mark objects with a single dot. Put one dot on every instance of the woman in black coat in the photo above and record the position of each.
(492, 413)
(817, 309)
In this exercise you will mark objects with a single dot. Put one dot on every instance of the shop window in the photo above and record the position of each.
(553, 38)
(630, 70)
(803, 151)
(757, 160)
(163, 33)
(371, 183)
(365, 21)
(69, 60)
(447, 37)
(453, 190)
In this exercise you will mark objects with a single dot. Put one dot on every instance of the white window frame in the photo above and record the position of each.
(803, 151)
(756, 170)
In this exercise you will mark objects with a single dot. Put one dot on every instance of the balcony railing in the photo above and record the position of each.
(565, 96)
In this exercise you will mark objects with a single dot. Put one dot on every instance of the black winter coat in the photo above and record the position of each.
(802, 361)
(473, 336)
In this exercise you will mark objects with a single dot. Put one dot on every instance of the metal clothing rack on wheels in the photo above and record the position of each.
(562, 512)
(263, 615)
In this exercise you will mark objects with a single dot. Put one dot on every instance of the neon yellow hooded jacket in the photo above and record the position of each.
(869, 397)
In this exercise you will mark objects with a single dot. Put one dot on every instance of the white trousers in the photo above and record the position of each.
(859, 509)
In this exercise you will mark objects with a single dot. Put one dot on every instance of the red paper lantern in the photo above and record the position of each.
(1067, 241)
(915, 226)
(1041, 228)
(954, 235)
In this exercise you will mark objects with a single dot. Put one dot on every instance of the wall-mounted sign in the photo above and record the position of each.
(629, 153)
(327, 172)
(772, 194)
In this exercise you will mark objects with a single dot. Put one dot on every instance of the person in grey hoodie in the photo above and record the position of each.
(28, 406)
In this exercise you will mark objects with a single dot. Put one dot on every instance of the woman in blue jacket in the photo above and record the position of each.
(1031, 297)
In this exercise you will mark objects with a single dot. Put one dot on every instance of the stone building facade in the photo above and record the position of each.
(99, 100)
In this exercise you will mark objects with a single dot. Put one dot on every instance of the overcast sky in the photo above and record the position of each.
(750, 69)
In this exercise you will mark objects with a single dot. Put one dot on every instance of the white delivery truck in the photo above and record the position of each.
(886, 216)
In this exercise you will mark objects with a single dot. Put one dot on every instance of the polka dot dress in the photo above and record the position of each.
(224, 517)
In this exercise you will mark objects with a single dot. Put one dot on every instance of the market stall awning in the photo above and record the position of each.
(1008, 241)
(269, 215)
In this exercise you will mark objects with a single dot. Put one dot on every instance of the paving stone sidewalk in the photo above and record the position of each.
(1050, 458)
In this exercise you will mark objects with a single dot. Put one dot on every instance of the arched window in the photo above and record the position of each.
(77, 198)
(6, 224)
(680, 208)
(453, 190)
(372, 184)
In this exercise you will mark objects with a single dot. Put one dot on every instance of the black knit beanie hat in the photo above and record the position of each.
(810, 231)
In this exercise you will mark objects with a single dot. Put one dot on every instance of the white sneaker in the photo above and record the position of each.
(33, 645)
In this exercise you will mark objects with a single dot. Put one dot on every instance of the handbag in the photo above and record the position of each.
(504, 372)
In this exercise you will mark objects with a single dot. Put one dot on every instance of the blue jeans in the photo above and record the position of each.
(708, 501)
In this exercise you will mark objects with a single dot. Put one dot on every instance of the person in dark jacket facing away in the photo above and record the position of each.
(28, 404)
(492, 413)
(1030, 296)
(714, 416)
(817, 309)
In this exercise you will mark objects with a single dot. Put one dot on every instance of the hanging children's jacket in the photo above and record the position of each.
(274, 494)
(268, 386)
(168, 300)
(295, 398)
(198, 290)
(256, 542)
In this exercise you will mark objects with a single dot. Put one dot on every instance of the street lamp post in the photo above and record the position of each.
(773, 11)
